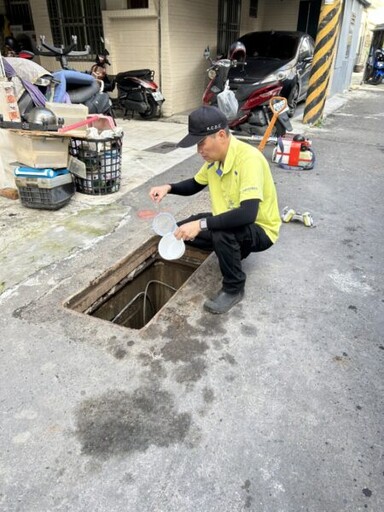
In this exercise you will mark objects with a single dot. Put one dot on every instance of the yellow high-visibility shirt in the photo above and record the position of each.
(245, 175)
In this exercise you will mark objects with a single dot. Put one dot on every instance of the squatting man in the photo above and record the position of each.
(245, 215)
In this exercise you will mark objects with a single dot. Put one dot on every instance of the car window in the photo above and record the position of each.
(270, 45)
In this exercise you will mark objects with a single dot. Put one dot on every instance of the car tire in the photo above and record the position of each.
(292, 100)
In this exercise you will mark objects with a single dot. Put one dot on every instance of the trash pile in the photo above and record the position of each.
(60, 147)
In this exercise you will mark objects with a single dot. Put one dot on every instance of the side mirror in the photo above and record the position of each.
(207, 53)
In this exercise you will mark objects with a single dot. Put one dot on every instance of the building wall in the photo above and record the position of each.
(280, 15)
(347, 47)
(131, 37)
(187, 29)
(42, 27)
(169, 37)
(251, 24)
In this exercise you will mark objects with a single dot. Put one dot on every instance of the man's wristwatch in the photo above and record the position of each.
(203, 225)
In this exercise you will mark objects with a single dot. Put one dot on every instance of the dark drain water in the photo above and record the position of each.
(135, 289)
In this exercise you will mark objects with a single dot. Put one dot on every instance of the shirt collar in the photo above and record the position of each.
(230, 158)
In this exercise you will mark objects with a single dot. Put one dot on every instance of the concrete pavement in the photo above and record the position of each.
(276, 407)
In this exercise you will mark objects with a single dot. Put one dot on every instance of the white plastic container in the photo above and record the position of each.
(170, 248)
(164, 223)
(71, 113)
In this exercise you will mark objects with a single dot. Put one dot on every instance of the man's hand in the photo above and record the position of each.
(157, 193)
(188, 231)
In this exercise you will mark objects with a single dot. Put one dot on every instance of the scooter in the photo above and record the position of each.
(253, 113)
(378, 67)
(136, 90)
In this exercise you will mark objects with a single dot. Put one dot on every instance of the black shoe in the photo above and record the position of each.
(223, 302)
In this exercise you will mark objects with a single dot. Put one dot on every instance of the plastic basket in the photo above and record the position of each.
(102, 159)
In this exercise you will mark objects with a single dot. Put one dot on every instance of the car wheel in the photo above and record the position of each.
(292, 100)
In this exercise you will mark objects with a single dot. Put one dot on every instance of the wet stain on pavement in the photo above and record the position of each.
(192, 371)
(228, 358)
(248, 499)
(117, 348)
(249, 330)
(18, 313)
(182, 347)
(352, 229)
(118, 352)
(118, 422)
(152, 359)
(208, 395)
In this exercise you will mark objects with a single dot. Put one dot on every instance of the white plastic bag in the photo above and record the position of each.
(227, 102)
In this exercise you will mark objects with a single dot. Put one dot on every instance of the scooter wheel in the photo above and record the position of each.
(153, 111)
(376, 80)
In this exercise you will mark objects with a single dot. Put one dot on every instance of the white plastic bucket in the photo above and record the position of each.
(170, 248)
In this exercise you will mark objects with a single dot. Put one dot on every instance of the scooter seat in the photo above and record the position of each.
(138, 73)
(245, 90)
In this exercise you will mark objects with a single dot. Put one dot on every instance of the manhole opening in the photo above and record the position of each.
(135, 289)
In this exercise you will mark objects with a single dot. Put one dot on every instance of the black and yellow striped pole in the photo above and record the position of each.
(322, 60)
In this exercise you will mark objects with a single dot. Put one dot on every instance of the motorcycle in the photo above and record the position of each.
(378, 67)
(249, 111)
(136, 90)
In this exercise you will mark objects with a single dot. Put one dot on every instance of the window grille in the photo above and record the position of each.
(81, 18)
(253, 7)
(137, 4)
(228, 24)
(19, 13)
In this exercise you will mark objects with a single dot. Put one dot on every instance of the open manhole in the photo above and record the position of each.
(163, 147)
(135, 289)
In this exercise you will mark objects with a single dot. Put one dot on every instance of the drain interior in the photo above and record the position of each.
(136, 288)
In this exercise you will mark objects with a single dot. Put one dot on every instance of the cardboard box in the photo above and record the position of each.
(40, 151)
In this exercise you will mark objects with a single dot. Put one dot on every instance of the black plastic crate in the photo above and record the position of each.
(54, 198)
(102, 159)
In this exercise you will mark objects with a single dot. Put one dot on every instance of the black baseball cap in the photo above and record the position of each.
(202, 122)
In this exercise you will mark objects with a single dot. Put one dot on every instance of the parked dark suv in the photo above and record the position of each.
(275, 55)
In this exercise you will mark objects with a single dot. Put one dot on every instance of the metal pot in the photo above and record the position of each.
(41, 115)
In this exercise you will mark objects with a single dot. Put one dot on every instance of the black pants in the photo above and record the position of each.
(231, 246)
